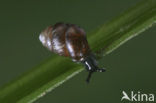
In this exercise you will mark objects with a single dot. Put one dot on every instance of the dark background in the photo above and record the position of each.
(130, 67)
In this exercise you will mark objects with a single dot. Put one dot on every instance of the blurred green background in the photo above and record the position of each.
(130, 67)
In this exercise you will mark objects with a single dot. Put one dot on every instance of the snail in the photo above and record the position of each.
(69, 40)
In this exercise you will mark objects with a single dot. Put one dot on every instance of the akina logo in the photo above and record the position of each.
(137, 96)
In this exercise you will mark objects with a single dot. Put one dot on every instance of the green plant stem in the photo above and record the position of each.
(122, 28)
(54, 71)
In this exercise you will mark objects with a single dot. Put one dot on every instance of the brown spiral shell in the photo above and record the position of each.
(66, 40)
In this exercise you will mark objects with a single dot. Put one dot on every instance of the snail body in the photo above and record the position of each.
(69, 40)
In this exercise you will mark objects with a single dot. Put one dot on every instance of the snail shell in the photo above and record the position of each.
(66, 40)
